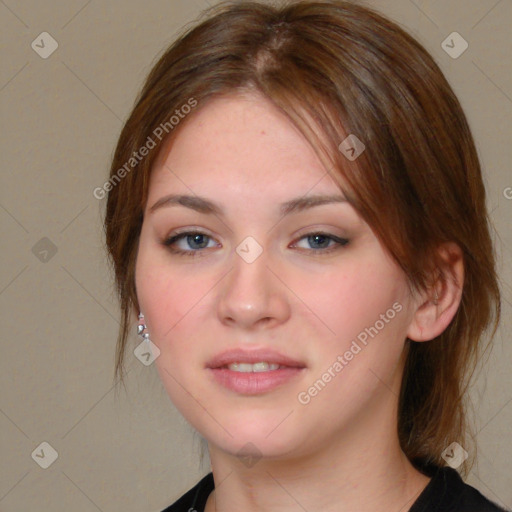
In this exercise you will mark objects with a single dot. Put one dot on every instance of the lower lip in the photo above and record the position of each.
(254, 383)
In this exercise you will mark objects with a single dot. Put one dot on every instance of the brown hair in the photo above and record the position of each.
(337, 68)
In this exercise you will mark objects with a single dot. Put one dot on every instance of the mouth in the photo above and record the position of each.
(253, 372)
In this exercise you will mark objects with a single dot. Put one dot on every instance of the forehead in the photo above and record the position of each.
(242, 142)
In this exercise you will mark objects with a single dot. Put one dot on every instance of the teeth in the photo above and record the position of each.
(256, 367)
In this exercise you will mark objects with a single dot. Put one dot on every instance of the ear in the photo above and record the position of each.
(437, 306)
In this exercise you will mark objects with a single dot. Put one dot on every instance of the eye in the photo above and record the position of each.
(322, 241)
(198, 240)
(195, 239)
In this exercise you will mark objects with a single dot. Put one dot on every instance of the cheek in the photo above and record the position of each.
(364, 304)
(354, 296)
(168, 302)
(367, 312)
(173, 301)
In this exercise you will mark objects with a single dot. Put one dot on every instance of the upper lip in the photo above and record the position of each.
(239, 355)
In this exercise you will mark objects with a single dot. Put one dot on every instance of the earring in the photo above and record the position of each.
(142, 329)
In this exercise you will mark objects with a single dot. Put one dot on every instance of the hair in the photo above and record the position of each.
(337, 68)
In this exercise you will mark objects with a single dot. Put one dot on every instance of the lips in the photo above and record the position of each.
(241, 371)
(270, 356)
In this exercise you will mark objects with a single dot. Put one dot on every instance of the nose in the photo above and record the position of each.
(252, 295)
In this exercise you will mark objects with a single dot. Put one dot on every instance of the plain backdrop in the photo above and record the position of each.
(61, 116)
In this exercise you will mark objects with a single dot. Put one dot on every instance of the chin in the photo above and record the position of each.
(256, 447)
(256, 436)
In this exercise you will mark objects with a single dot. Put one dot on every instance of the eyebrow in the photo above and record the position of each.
(203, 205)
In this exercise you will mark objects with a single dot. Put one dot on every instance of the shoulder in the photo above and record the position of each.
(194, 500)
(447, 492)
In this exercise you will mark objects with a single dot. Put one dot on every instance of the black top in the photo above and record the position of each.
(446, 492)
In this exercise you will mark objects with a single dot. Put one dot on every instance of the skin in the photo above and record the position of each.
(340, 451)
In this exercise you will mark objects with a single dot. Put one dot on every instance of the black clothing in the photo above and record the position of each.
(446, 492)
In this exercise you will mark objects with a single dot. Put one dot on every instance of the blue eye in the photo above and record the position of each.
(195, 239)
(198, 240)
(321, 238)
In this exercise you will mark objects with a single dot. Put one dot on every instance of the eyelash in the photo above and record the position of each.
(341, 242)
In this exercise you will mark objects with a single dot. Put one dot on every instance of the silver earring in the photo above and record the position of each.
(142, 328)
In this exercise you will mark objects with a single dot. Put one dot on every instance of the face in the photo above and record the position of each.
(308, 289)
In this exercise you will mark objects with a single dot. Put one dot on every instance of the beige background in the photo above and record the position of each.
(61, 117)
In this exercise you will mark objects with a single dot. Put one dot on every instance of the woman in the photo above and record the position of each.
(297, 216)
